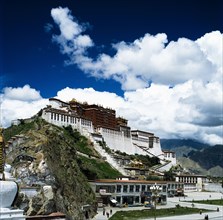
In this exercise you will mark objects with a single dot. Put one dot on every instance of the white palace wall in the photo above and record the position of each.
(66, 120)
(117, 141)
(156, 150)
(153, 151)
(57, 104)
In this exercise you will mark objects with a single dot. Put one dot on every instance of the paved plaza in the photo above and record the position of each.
(182, 201)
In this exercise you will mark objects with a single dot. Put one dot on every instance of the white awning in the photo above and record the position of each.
(113, 201)
(105, 194)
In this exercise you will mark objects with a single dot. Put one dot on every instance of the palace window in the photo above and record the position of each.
(164, 188)
(148, 188)
(98, 189)
(125, 188)
(137, 188)
(118, 198)
(137, 199)
(118, 189)
(131, 188)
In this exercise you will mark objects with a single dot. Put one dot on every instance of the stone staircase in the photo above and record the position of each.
(162, 167)
(108, 157)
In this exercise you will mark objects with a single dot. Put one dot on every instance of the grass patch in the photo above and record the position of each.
(145, 213)
(19, 129)
(80, 142)
(210, 202)
(96, 169)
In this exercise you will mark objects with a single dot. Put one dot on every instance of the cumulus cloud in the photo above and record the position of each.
(91, 96)
(172, 88)
(149, 58)
(211, 45)
(20, 103)
(71, 40)
(22, 94)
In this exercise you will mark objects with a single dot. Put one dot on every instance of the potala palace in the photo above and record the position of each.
(101, 124)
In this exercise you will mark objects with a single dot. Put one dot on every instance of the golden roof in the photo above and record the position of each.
(73, 100)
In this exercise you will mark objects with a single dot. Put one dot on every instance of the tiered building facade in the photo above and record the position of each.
(103, 125)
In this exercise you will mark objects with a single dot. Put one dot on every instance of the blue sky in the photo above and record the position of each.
(152, 61)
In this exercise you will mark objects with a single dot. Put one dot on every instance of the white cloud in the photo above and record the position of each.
(91, 96)
(23, 94)
(207, 101)
(190, 108)
(20, 103)
(64, 19)
(211, 44)
(149, 58)
(83, 41)
(71, 41)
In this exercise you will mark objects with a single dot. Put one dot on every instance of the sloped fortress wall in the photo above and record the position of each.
(116, 140)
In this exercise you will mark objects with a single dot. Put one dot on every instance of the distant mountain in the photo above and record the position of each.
(209, 157)
(182, 147)
(175, 143)
(194, 167)
(183, 151)
(191, 166)
(196, 157)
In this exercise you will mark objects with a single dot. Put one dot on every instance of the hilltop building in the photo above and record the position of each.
(101, 124)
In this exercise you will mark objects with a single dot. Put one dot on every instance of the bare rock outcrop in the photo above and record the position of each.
(45, 157)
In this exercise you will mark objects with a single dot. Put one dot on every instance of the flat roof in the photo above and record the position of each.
(190, 175)
(145, 132)
(131, 181)
(167, 151)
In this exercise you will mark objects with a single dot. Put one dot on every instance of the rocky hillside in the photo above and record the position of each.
(194, 167)
(43, 154)
(208, 157)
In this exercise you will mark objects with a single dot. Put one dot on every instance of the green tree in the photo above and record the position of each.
(169, 176)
